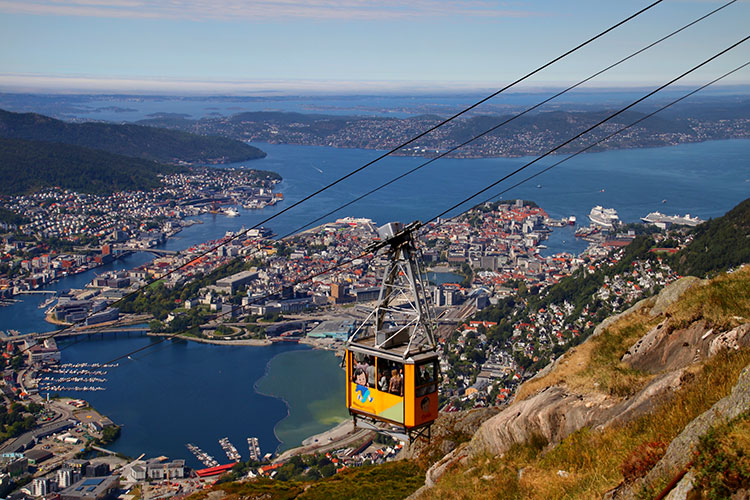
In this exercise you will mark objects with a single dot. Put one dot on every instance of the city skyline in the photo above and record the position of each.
(286, 46)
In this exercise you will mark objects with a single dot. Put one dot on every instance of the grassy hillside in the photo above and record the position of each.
(391, 481)
(590, 462)
(26, 166)
(148, 143)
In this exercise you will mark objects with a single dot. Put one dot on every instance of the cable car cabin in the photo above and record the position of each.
(383, 386)
(391, 359)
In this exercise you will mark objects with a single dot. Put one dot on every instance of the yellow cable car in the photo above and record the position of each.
(392, 367)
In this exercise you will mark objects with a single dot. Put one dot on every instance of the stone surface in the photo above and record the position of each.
(672, 292)
(661, 349)
(683, 488)
(679, 452)
(557, 411)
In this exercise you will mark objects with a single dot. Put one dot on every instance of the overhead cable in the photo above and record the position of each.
(604, 139)
(589, 129)
(378, 245)
(508, 120)
(366, 165)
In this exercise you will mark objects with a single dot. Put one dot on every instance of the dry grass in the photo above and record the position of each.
(591, 461)
(722, 463)
(568, 371)
(724, 302)
(588, 463)
(605, 369)
(595, 367)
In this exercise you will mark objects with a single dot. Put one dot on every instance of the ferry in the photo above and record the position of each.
(583, 232)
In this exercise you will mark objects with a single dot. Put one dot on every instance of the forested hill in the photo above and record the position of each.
(718, 244)
(149, 143)
(26, 166)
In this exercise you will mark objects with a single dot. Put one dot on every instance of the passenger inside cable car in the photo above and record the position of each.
(398, 392)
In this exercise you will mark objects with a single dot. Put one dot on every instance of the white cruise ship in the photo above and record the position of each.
(604, 217)
(660, 219)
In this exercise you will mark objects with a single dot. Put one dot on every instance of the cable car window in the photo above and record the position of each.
(391, 376)
(363, 369)
(426, 376)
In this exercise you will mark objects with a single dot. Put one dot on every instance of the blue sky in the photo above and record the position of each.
(236, 46)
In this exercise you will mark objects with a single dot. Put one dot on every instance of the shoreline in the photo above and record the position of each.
(325, 344)
(339, 436)
(242, 342)
(309, 441)
(286, 403)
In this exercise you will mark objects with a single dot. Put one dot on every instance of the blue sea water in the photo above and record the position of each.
(184, 392)
(704, 179)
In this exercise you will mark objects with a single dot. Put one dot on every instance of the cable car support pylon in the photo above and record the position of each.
(391, 358)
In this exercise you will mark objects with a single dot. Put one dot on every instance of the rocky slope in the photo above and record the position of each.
(633, 365)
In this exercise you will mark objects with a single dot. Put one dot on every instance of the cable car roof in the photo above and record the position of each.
(394, 353)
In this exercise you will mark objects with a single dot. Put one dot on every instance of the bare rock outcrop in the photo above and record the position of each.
(680, 449)
(557, 410)
(645, 400)
(553, 414)
(672, 292)
(661, 349)
(448, 431)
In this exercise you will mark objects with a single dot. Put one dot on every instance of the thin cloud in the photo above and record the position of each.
(262, 9)
(63, 84)
(171, 86)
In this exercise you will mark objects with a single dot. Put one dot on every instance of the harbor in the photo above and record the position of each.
(202, 456)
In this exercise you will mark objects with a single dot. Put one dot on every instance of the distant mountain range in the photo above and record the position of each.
(528, 135)
(37, 151)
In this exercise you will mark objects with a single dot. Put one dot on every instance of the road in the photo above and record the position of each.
(454, 315)
(63, 413)
(333, 439)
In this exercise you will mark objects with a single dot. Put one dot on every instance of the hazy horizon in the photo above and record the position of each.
(349, 46)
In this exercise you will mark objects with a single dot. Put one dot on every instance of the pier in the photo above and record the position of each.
(201, 455)
(254, 447)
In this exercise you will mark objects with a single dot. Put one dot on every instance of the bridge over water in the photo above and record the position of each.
(77, 333)
(155, 251)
